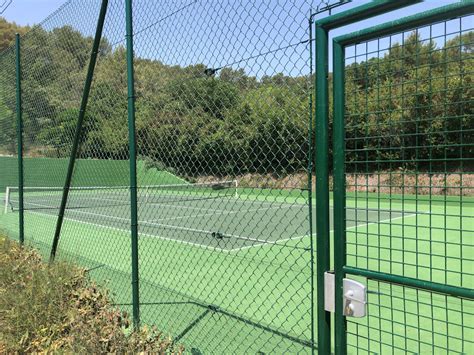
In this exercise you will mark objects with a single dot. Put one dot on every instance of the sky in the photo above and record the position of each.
(30, 12)
(184, 40)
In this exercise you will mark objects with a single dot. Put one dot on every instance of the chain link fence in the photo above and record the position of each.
(223, 128)
(8, 134)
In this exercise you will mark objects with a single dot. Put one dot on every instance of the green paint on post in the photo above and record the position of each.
(339, 197)
(310, 187)
(80, 121)
(322, 186)
(456, 291)
(133, 165)
(19, 125)
(363, 12)
(409, 22)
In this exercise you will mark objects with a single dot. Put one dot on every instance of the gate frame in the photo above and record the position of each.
(321, 87)
(339, 44)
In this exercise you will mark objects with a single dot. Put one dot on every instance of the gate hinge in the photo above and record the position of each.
(354, 296)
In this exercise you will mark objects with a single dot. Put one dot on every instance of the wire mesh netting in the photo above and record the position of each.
(221, 96)
(224, 163)
(409, 164)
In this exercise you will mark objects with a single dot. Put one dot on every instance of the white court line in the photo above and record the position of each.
(124, 202)
(153, 223)
(262, 242)
(294, 205)
(127, 231)
(204, 197)
(288, 205)
(179, 206)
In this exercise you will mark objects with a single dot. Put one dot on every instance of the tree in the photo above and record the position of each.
(8, 31)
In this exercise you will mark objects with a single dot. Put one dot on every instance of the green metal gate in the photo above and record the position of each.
(403, 195)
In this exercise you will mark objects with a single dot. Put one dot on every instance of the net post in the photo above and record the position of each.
(80, 121)
(133, 164)
(19, 124)
(7, 199)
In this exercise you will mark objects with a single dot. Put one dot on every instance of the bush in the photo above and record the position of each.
(55, 308)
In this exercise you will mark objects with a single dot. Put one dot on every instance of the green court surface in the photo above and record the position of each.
(220, 271)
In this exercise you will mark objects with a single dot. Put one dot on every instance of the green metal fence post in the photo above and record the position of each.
(133, 164)
(322, 186)
(310, 184)
(19, 124)
(80, 121)
(339, 196)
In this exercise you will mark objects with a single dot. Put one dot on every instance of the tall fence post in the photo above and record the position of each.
(310, 184)
(80, 121)
(133, 164)
(339, 194)
(322, 185)
(19, 127)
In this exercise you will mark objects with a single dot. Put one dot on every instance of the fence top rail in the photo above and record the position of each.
(421, 19)
(362, 12)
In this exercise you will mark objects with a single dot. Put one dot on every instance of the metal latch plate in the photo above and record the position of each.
(354, 296)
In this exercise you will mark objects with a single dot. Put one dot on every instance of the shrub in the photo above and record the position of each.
(56, 308)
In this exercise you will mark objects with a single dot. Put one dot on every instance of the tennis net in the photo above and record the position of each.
(40, 198)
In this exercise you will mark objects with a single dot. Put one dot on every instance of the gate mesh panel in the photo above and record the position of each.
(410, 184)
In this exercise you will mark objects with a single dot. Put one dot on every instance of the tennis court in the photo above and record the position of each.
(244, 279)
(211, 215)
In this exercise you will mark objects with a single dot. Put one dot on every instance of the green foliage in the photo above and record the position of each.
(194, 121)
(59, 134)
(416, 80)
(55, 308)
(8, 31)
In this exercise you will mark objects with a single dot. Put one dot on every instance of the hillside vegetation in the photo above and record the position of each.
(8, 31)
(195, 121)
